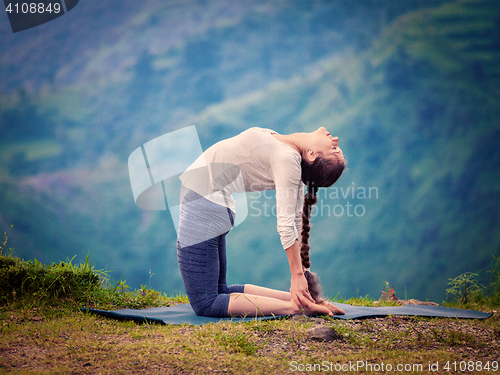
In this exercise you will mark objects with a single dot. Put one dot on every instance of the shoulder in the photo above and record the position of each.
(286, 166)
(259, 131)
(287, 155)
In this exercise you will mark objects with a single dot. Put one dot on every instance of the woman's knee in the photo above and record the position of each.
(214, 308)
(198, 308)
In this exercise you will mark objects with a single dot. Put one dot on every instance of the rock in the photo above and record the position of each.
(416, 302)
(318, 320)
(322, 333)
(305, 318)
(300, 318)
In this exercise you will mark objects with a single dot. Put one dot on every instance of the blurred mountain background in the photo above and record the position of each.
(412, 89)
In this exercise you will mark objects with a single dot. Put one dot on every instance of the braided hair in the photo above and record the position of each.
(322, 172)
(313, 284)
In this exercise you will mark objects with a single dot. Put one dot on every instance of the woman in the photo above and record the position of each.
(255, 160)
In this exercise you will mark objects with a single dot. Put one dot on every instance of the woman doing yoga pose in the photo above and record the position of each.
(255, 160)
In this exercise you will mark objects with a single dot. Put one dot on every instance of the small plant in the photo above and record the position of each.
(388, 294)
(265, 326)
(5, 240)
(495, 280)
(454, 338)
(122, 286)
(237, 342)
(465, 287)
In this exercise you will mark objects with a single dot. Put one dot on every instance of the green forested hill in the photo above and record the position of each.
(417, 115)
(410, 88)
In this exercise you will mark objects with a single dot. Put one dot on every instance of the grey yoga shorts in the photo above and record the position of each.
(201, 253)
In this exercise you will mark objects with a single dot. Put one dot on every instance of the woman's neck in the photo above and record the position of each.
(297, 141)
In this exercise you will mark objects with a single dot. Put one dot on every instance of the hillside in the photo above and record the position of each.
(419, 123)
(413, 96)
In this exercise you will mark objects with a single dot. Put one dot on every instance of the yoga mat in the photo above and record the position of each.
(363, 312)
(180, 314)
(184, 314)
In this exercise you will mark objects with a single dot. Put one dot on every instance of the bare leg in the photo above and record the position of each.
(266, 292)
(286, 296)
(242, 304)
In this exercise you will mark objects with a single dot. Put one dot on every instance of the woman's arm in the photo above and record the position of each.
(298, 288)
(299, 206)
(289, 199)
(286, 174)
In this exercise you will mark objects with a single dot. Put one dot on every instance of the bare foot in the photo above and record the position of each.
(330, 306)
(313, 309)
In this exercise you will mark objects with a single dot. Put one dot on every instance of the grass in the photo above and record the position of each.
(36, 342)
(30, 284)
(43, 331)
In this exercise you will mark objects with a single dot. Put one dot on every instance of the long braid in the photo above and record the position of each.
(314, 286)
(321, 172)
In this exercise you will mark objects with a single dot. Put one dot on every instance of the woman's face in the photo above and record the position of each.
(327, 145)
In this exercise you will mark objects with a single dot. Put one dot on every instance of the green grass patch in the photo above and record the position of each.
(31, 284)
(42, 331)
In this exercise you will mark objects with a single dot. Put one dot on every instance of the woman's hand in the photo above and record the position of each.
(303, 300)
(298, 287)
(300, 291)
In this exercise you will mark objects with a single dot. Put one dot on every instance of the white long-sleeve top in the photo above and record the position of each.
(254, 160)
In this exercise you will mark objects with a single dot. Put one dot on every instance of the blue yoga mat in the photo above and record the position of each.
(363, 312)
(184, 314)
(180, 314)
